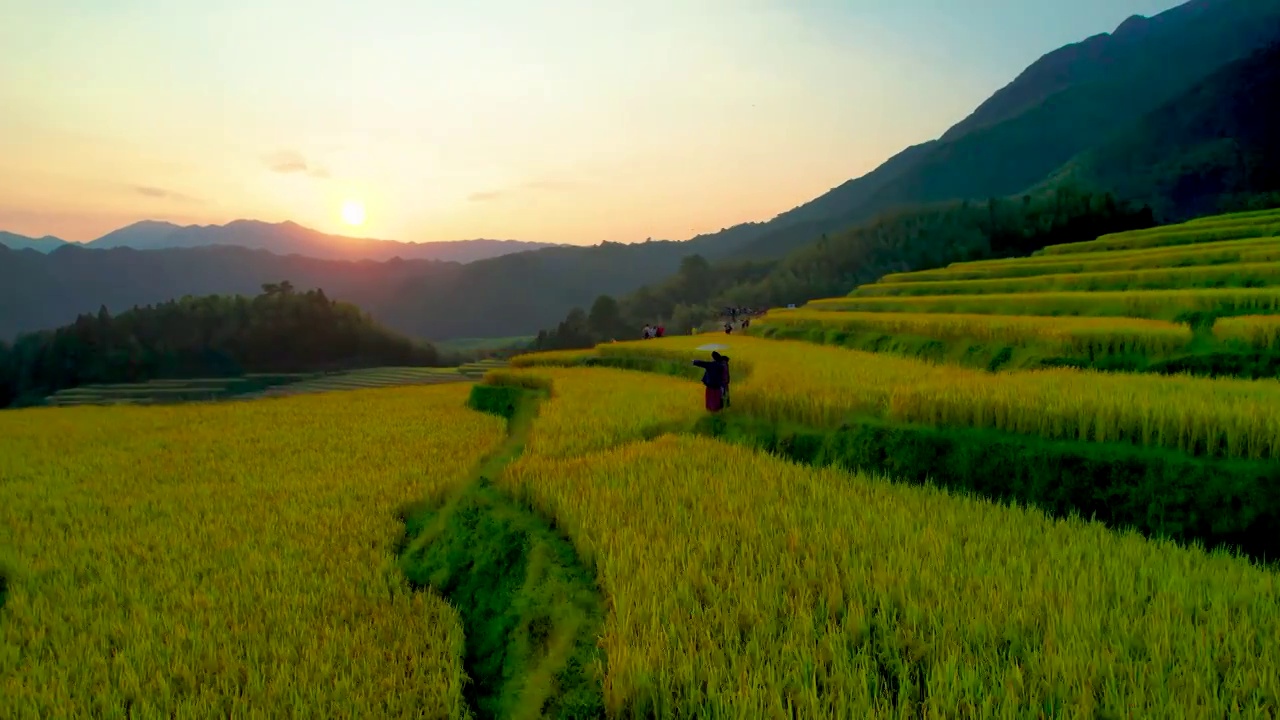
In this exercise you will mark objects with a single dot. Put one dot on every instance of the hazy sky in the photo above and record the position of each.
(558, 120)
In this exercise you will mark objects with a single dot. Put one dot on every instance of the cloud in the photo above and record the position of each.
(163, 194)
(290, 161)
(536, 185)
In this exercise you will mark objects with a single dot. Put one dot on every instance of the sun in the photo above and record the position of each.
(353, 212)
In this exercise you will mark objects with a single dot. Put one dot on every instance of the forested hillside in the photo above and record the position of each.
(1213, 148)
(280, 330)
(510, 295)
(911, 239)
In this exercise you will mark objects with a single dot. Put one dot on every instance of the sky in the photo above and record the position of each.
(571, 121)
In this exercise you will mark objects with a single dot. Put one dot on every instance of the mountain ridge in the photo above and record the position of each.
(283, 238)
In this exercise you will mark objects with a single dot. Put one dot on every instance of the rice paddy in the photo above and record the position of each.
(239, 558)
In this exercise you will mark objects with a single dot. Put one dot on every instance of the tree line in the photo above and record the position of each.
(905, 240)
(279, 330)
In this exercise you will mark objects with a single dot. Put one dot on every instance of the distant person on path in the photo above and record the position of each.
(648, 332)
(662, 330)
(728, 328)
(715, 374)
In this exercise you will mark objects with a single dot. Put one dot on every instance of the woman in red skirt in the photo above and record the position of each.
(715, 377)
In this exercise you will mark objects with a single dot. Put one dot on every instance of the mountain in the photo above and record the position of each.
(1071, 101)
(289, 238)
(1212, 148)
(514, 294)
(1065, 103)
(22, 242)
(1171, 116)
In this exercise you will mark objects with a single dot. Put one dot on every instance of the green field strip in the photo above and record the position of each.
(1247, 275)
(1153, 304)
(1227, 251)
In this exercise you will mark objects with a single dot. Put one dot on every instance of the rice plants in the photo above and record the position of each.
(824, 386)
(1233, 275)
(1167, 235)
(230, 559)
(1231, 251)
(1152, 304)
(1259, 332)
(1083, 335)
(740, 585)
(574, 423)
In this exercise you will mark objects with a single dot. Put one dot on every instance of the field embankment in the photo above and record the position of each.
(530, 609)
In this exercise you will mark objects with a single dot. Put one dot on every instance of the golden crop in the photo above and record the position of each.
(573, 424)
(740, 585)
(1106, 256)
(824, 386)
(1169, 235)
(229, 559)
(1208, 254)
(1087, 335)
(1154, 304)
(1258, 331)
(1201, 276)
(550, 358)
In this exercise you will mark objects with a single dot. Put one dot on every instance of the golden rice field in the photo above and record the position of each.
(739, 585)
(570, 426)
(231, 559)
(1151, 304)
(1234, 275)
(824, 386)
(1260, 332)
(1169, 235)
(1071, 334)
(1087, 259)
(1207, 254)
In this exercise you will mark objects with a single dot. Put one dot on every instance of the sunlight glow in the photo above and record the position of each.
(353, 212)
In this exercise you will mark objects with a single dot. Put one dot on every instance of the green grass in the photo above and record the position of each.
(530, 608)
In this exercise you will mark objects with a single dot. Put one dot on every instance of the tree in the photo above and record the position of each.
(605, 318)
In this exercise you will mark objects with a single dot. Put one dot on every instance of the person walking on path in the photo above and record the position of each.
(715, 374)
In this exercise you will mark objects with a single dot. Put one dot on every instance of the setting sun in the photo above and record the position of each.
(353, 212)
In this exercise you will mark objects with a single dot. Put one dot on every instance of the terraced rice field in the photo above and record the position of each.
(168, 391)
(860, 535)
(260, 386)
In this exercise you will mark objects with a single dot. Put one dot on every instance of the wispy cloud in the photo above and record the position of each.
(291, 161)
(163, 194)
(534, 185)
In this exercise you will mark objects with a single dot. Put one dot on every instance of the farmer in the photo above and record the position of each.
(715, 374)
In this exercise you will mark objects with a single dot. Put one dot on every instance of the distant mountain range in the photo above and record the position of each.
(286, 238)
(1176, 111)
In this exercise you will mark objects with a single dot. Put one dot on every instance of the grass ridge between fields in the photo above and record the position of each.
(531, 610)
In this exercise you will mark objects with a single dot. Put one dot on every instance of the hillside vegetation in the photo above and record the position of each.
(906, 240)
(278, 331)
